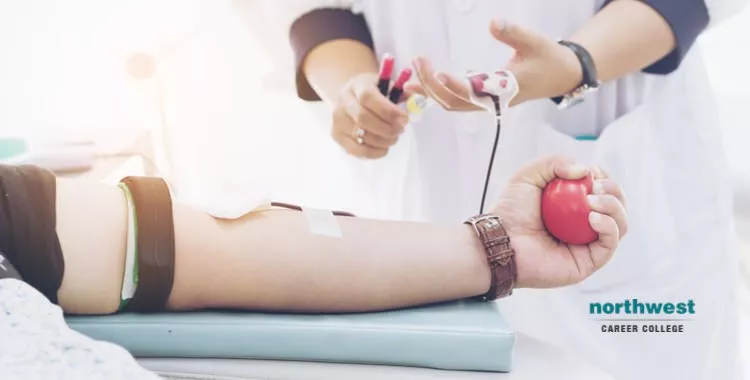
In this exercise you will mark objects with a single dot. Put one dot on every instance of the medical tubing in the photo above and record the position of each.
(498, 114)
(290, 206)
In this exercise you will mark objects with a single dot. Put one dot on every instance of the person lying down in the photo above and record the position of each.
(98, 249)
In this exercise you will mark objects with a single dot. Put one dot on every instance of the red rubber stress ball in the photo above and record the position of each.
(565, 210)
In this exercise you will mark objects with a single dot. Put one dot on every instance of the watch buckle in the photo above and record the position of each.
(482, 218)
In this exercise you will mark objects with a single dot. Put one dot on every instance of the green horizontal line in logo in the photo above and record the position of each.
(642, 320)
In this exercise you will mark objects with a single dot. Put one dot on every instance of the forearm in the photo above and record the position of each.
(271, 261)
(267, 260)
(331, 64)
(625, 37)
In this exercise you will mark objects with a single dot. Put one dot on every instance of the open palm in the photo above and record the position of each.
(542, 67)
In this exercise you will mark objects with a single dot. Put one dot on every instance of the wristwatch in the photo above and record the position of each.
(500, 255)
(590, 82)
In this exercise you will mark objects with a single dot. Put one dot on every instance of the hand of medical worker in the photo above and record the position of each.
(541, 260)
(365, 123)
(542, 67)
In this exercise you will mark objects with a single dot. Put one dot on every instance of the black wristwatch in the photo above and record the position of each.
(590, 82)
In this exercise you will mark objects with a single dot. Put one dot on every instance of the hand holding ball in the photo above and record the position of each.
(565, 210)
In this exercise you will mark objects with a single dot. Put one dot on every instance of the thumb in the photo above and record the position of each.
(520, 39)
(414, 88)
(540, 172)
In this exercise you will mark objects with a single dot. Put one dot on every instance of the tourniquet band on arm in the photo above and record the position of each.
(29, 245)
(155, 244)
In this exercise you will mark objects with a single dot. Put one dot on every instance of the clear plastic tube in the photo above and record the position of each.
(416, 105)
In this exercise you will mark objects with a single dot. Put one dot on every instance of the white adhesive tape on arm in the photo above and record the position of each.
(322, 222)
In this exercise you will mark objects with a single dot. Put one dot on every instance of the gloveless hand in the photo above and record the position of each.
(365, 123)
(542, 67)
(541, 260)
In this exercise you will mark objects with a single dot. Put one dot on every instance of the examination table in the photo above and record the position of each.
(463, 340)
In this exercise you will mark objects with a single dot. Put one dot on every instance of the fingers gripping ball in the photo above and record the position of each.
(565, 210)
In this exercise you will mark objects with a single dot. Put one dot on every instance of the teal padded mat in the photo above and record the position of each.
(456, 336)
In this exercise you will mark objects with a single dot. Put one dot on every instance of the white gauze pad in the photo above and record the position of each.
(322, 222)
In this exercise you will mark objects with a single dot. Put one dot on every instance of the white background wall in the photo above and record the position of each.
(230, 105)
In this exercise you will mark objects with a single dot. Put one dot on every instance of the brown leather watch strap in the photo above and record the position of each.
(500, 254)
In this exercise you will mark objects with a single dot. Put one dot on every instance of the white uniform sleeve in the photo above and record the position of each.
(720, 10)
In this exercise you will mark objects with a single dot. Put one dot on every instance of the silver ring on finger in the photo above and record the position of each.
(359, 135)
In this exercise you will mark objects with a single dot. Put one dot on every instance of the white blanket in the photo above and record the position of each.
(36, 343)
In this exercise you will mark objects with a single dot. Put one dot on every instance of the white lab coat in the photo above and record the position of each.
(659, 139)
